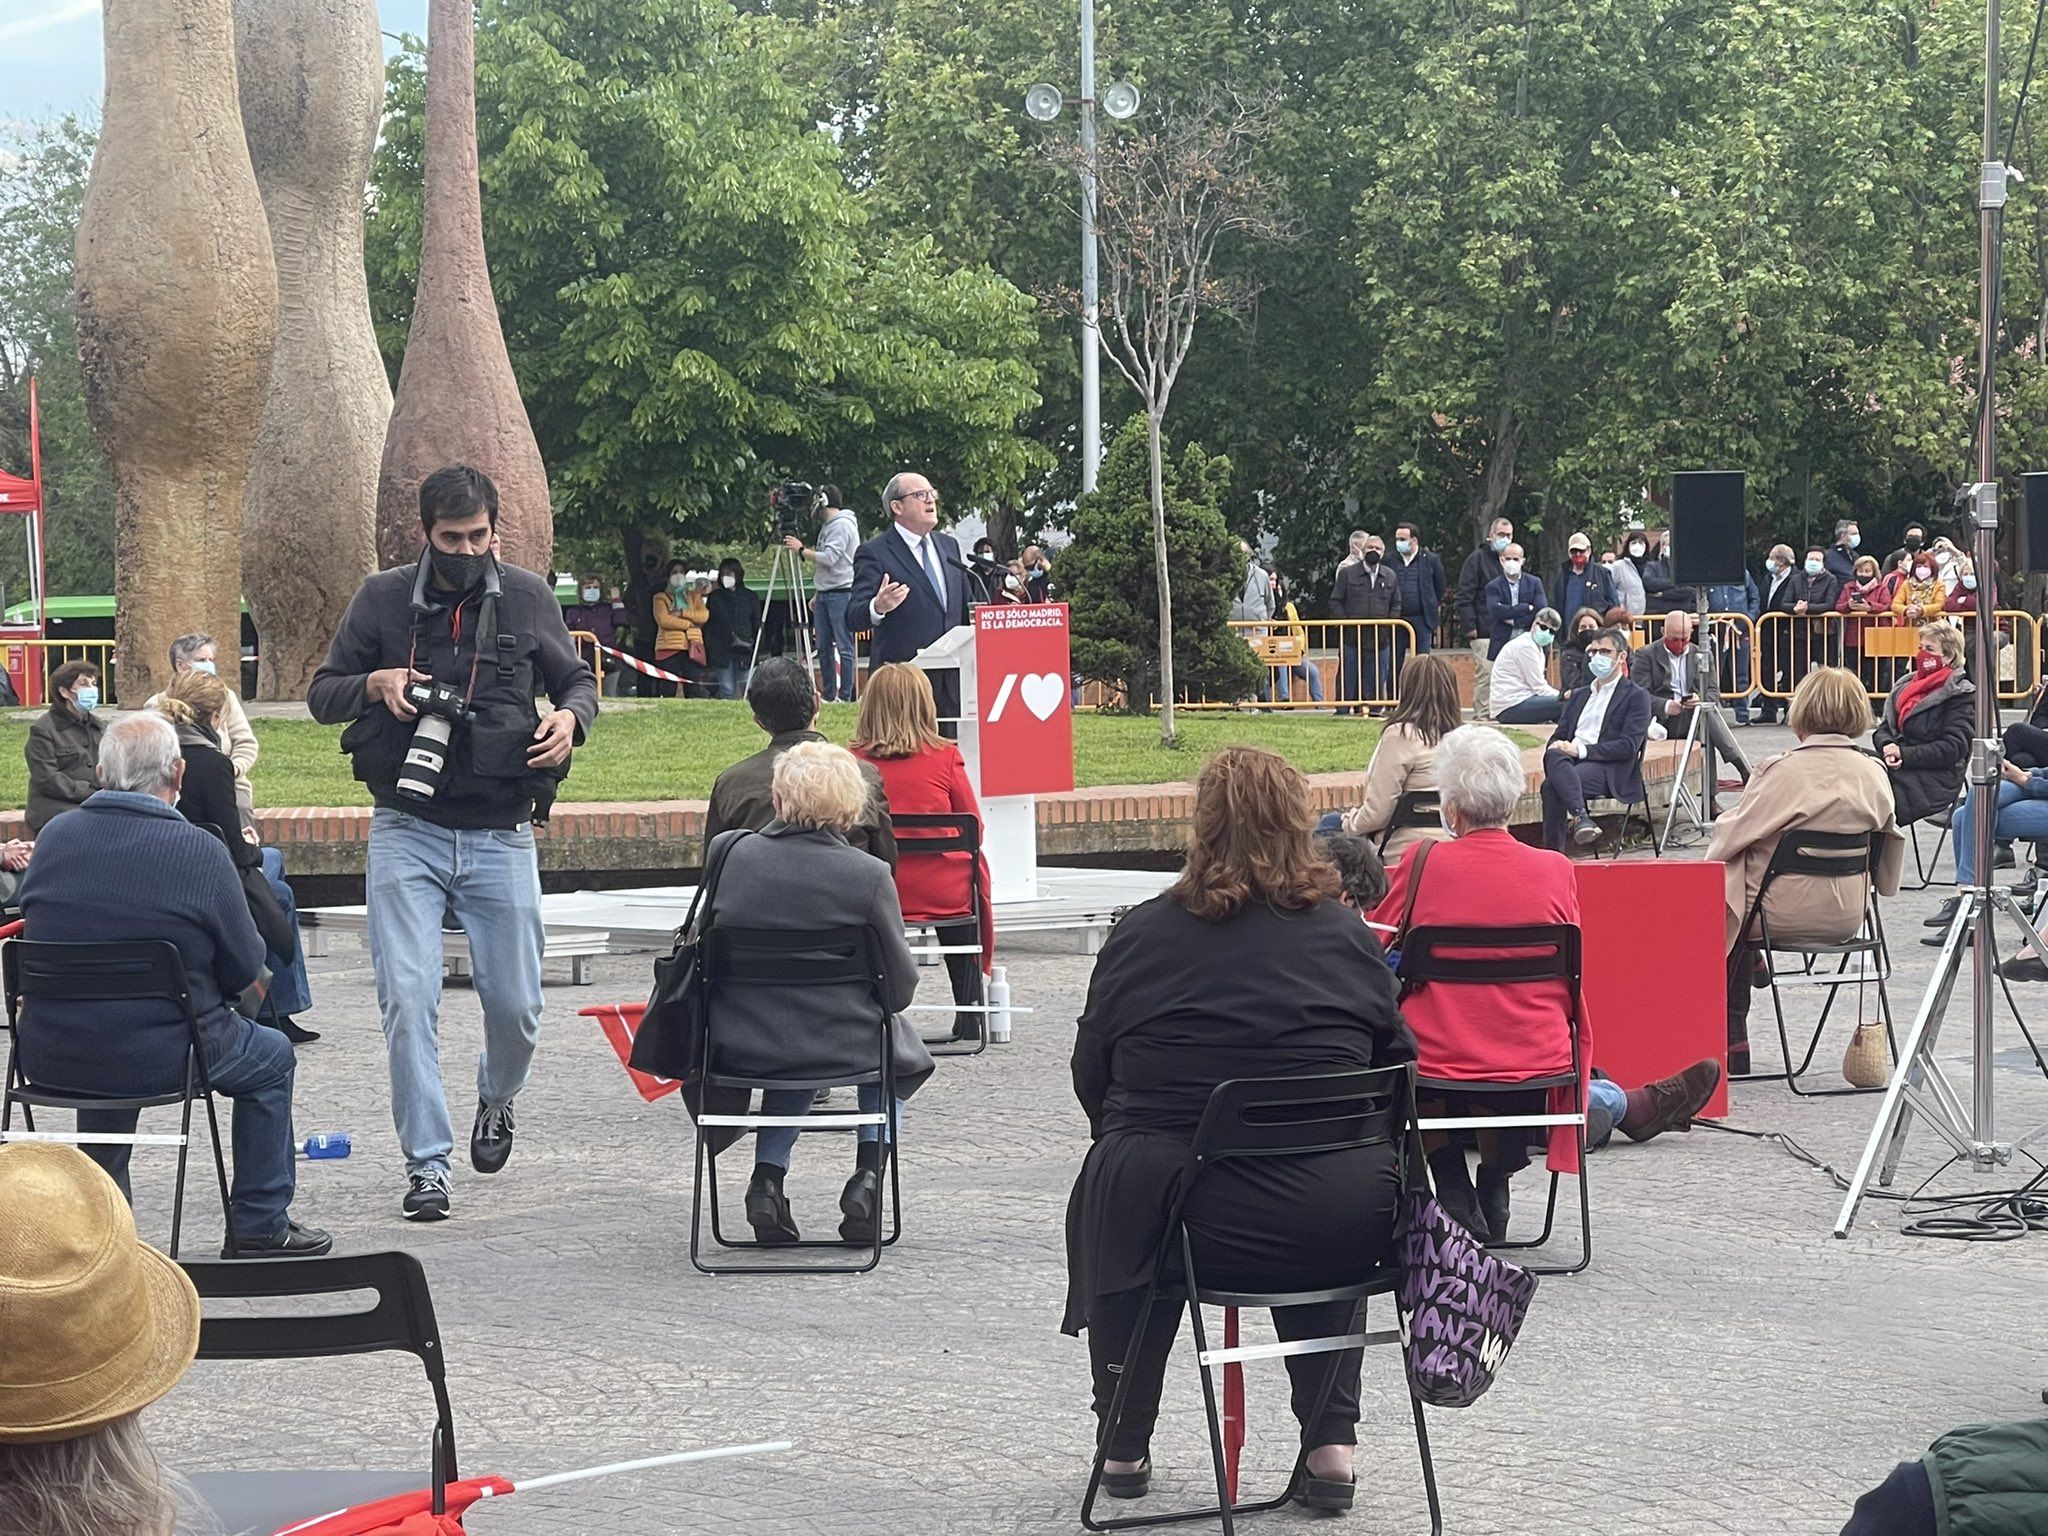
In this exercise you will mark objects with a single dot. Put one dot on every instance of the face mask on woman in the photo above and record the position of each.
(590, 594)
(728, 581)
(1637, 548)
(678, 584)
(1969, 583)
(1599, 663)
(87, 698)
(1930, 661)
(1923, 573)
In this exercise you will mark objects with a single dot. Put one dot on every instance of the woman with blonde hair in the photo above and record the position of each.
(1404, 758)
(1929, 718)
(1248, 967)
(923, 775)
(193, 702)
(1827, 783)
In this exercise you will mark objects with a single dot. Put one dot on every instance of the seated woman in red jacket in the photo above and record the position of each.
(922, 772)
(1485, 877)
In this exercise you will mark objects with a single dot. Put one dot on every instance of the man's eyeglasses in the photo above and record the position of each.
(927, 494)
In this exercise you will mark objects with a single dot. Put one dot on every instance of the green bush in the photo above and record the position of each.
(1107, 575)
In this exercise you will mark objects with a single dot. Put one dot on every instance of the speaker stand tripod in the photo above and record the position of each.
(788, 568)
(1699, 809)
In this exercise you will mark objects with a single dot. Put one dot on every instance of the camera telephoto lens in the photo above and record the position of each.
(426, 760)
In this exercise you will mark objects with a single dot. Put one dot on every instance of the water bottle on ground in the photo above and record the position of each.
(999, 1005)
(325, 1145)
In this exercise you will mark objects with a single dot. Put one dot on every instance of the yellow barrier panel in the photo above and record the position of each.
(1879, 649)
(24, 658)
(1320, 663)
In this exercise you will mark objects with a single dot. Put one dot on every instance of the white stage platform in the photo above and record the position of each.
(1078, 902)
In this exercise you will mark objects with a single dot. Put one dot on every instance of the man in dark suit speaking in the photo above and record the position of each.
(909, 587)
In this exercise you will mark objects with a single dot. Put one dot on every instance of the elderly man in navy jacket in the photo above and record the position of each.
(1595, 749)
(910, 588)
(125, 866)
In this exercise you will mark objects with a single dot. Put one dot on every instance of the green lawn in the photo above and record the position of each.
(673, 749)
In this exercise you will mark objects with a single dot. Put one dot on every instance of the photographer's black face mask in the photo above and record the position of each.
(458, 573)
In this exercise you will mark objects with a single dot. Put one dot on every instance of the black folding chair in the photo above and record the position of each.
(1925, 865)
(932, 834)
(1827, 856)
(1435, 955)
(793, 958)
(143, 970)
(1641, 801)
(1416, 810)
(1287, 1117)
(401, 1318)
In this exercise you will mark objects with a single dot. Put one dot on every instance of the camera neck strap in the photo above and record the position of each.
(487, 634)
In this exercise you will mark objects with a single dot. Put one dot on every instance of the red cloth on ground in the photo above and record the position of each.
(1918, 687)
(934, 782)
(1494, 1033)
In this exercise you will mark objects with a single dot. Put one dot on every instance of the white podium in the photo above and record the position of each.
(1009, 822)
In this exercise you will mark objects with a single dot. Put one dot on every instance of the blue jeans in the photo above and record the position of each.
(254, 1068)
(291, 989)
(731, 678)
(1537, 709)
(774, 1143)
(1605, 1105)
(1310, 673)
(2020, 816)
(835, 645)
(490, 880)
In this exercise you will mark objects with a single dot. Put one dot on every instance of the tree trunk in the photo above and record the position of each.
(1154, 435)
(311, 74)
(176, 294)
(645, 558)
(457, 401)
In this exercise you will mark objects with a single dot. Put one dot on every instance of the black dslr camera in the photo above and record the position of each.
(442, 707)
(794, 503)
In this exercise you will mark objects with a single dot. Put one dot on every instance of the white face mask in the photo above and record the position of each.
(590, 594)
(1511, 569)
(728, 581)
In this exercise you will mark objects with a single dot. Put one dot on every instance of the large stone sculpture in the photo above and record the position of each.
(311, 74)
(177, 313)
(457, 399)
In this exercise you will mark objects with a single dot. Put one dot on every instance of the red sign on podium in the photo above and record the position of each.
(1023, 677)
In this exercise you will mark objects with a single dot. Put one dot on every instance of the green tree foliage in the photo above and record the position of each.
(42, 184)
(1106, 574)
(694, 298)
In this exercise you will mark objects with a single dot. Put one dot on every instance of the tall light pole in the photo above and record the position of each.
(1043, 103)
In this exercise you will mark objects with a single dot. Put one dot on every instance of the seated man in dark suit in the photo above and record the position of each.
(910, 588)
(1677, 676)
(1594, 750)
(785, 705)
(126, 866)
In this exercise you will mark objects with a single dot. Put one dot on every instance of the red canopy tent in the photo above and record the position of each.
(24, 499)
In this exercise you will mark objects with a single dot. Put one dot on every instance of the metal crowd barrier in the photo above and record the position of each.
(23, 658)
(1879, 649)
(1323, 663)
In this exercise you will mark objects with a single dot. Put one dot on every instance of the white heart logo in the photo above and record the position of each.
(1044, 692)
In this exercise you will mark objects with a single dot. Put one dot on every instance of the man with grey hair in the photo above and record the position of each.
(197, 653)
(126, 866)
(910, 586)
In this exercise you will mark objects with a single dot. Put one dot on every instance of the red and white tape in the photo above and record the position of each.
(638, 665)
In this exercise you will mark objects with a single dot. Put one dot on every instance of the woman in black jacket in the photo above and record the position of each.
(1248, 967)
(1572, 671)
(1929, 719)
(729, 633)
(64, 745)
(193, 702)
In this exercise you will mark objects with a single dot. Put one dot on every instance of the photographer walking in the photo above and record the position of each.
(838, 538)
(435, 668)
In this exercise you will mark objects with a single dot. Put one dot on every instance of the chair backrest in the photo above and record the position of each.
(1416, 808)
(1828, 855)
(1529, 952)
(400, 1319)
(790, 957)
(1303, 1116)
(937, 832)
(135, 969)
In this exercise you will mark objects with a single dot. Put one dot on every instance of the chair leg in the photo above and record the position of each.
(1224, 1511)
(1114, 1418)
(232, 1240)
(178, 1189)
(697, 1206)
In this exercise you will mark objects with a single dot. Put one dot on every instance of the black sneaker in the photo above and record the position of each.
(426, 1197)
(294, 1242)
(490, 1142)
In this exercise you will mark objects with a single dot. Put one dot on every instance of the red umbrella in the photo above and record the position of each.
(413, 1514)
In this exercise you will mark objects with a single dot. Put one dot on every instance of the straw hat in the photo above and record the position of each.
(94, 1323)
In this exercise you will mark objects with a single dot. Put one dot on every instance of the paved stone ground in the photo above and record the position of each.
(1726, 1365)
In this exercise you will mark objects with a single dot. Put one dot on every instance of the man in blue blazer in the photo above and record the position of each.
(909, 587)
(1594, 751)
(1512, 599)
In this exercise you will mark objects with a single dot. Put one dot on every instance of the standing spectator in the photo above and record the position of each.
(600, 613)
(128, 867)
(1914, 542)
(1405, 756)
(679, 616)
(1354, 551)
(1636, 553)
(1840, 557)
(1865, 603)
(1305, 668)
(1661, 590)
(1626, 574)
(1522, 694)
(1814, 592)
(63, 747)
(1596, 747)
(838, 538)
(1946, 558)
(909, 586)
(1480, 570)
(1037, 575)
(1962, 597)
(923, 774)
(1733, 641)
(1254, 603)
(1420, 575)
(1365, 590)
(1924, 737)
(1774, 636)
(1512, 600)
(197, 653)
(1581, 583)
(733, 620)
(1920, 594)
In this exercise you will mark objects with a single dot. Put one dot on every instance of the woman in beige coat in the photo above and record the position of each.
(1405, 758)
(1825, 784)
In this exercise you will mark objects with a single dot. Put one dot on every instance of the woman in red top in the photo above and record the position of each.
(898, 732)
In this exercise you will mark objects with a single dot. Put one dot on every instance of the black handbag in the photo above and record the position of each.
(670, 1039)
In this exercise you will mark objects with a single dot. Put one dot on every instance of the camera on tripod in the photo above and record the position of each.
(795, 502)
(442, 707)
